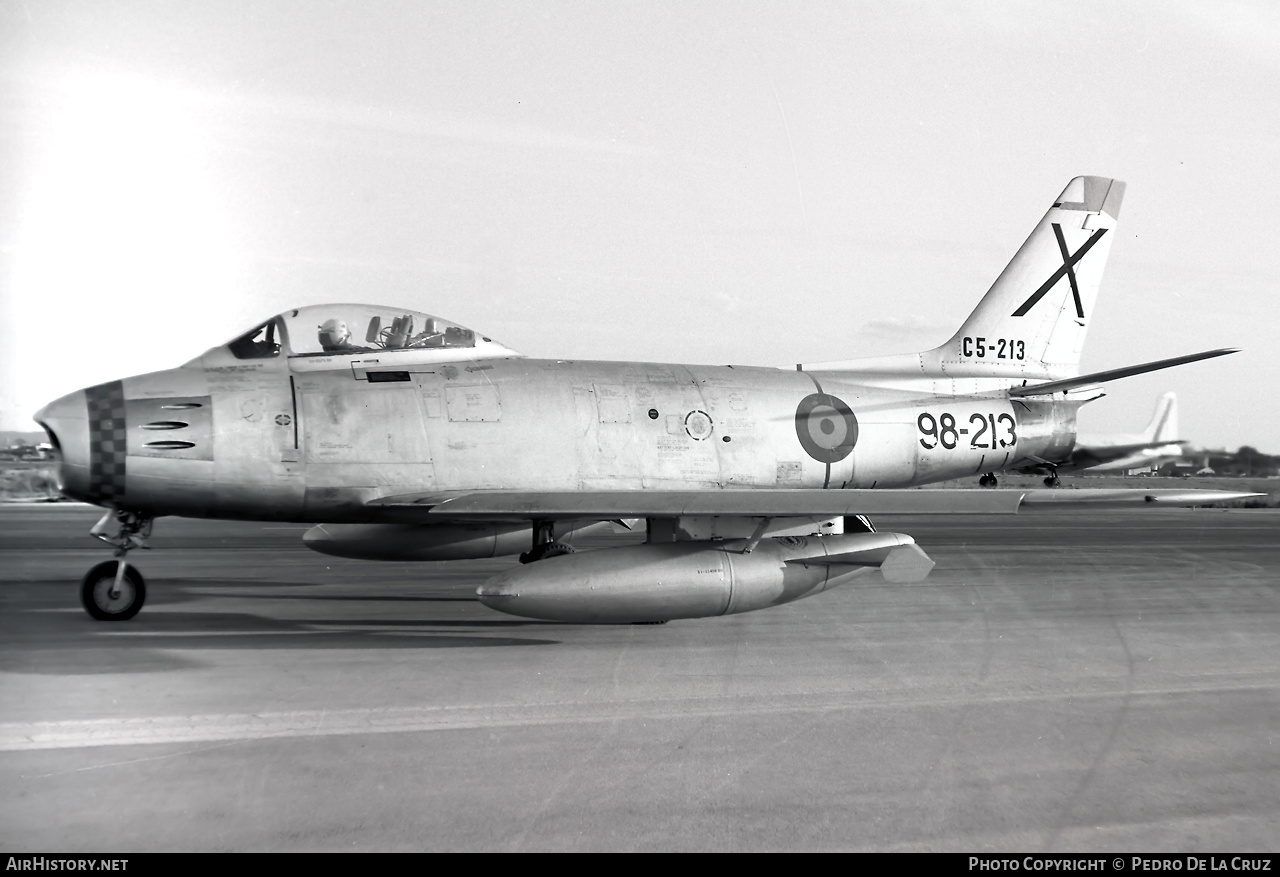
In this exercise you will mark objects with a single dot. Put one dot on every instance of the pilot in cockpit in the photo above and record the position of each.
(335, 337)
(430, 336)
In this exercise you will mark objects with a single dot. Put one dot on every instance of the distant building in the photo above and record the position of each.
(19, 450)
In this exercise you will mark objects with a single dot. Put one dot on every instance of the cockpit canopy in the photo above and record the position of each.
(340, 329)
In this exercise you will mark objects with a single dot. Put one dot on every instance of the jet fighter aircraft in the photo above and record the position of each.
(402, 435)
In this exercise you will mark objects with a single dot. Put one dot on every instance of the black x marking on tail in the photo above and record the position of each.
(1069, 261)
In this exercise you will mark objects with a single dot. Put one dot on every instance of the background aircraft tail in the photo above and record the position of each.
(1164, 424)
(1033, 320)
(1112, 452)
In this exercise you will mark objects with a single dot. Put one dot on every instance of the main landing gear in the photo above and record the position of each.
(988, 480)
(543, 544)
(113, 590)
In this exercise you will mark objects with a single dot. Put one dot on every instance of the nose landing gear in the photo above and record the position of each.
(113, 590)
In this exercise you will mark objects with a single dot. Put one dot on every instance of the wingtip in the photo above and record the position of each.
(1034, 500)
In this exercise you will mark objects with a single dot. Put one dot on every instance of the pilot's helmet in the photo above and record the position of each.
(334, 333)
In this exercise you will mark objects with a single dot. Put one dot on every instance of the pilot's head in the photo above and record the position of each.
(334, 335)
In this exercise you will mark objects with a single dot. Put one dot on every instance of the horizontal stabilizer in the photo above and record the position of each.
(1115, 374)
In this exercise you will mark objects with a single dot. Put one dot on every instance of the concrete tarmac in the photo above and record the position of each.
(1061, 682)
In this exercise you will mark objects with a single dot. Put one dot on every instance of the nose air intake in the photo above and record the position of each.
(52, 435)
(88, 428)
(65, 421)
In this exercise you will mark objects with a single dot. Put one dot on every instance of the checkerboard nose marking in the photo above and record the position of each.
(108, 442)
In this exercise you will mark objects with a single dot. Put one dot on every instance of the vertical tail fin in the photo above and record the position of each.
(1164, 424)
(1033, 320)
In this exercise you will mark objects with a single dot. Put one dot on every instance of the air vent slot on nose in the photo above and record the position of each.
(171, 446)
(181, 406)
(165, 424)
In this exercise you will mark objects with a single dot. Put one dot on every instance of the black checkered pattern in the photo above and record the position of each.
(107, 442)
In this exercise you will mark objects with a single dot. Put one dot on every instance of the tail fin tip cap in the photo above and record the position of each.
(1093, 195)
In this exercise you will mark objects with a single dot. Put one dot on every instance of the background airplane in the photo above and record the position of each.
(1119, 452)
(403, 435)
(1115, 452)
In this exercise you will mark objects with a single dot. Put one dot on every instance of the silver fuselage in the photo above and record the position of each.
(315, 439)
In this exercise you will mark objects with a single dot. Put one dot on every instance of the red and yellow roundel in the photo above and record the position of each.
(826, 427)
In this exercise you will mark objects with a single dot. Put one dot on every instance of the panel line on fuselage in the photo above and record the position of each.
(826, 479)
(293, 395)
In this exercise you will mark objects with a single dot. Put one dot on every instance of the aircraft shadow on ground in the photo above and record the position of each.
(188, 589)
(49, 634)
(59, 594)
(146, 650)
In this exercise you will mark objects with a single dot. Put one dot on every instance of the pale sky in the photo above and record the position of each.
(754, 183)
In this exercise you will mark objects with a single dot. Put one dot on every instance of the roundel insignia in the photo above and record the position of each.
(698, 425)
(826, 427)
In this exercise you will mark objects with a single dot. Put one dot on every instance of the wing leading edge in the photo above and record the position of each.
(614, 504)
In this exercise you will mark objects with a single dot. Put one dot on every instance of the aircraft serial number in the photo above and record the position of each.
(984, 431)
(995, 348)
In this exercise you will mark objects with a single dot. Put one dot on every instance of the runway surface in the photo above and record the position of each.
(1068, 682)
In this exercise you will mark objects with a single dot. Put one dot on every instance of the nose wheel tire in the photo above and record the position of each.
(104, 601)
(988, 480)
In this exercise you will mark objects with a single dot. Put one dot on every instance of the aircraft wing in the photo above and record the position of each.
(614, 504)
(611, 504)
(1103, 453)
(1084, 500)
(1089, 456)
